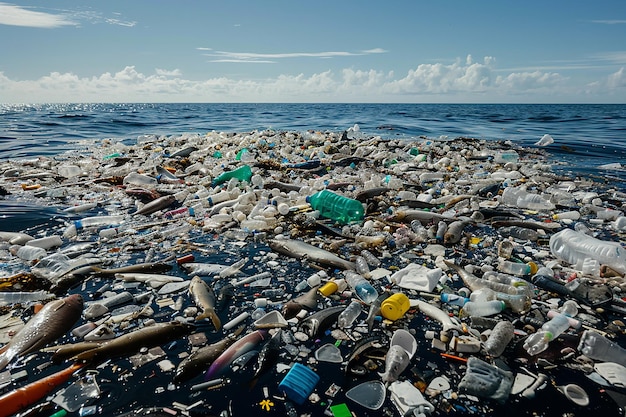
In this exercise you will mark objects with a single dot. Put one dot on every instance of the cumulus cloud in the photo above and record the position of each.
(19, 16)
(463, 80)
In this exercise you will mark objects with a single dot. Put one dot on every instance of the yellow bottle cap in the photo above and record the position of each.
(533, 268)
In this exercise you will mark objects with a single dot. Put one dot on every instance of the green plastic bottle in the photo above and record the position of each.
(336, 207)
(243, 173)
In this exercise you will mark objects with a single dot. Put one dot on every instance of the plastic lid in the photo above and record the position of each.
(533, 268)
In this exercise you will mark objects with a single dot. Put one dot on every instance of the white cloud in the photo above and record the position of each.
(168, 73)
(610, 22)
(463, 80)
(265, 58)
(617, 79)
(19, 16)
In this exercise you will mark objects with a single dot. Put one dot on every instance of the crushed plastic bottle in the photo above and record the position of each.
(574, 247)
(483, 308)
(336, 207)
(91, 222)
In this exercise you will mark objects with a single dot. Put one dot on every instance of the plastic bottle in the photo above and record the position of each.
(88, 222)
(28, 253)
(516, 302)
(502, 157)
(135, 178)
(538, 342)
(483, 308)
(567, 215)
(597, 347)
(574, 247)
(243, 173)
(223, 195)
(180, 212)
(499, 338)
(361, 266)
(46, 242)
(349, 315)
(361, 286)
(453, 299)
(518, 197)
(336, 207)
(517, 268)
(517, 232)
(13, 297)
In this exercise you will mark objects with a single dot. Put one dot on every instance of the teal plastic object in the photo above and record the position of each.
(299, 383)
(336, 207)
(243, 173)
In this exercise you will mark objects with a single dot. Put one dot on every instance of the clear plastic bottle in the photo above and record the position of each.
(483, 308)
(538, 342)
(14, 297)
(223, 195)
(361, 266)
(453, 299)
(517, 268)
(499, 338)
(517, 232)
(46, 242)
(361, 286)
(349, 315)
(518, 197)
(243, 173)
(574, 247)
(336, 207)
(28, 253)
(89, 222)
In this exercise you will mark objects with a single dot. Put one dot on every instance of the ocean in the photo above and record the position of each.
(589, 140)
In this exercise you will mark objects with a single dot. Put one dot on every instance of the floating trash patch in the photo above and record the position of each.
(309, 273)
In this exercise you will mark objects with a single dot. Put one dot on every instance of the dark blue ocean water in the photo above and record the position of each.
(586, 135)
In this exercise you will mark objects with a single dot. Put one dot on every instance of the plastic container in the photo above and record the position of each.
(483, 308)
(348, 316)
(218, 197)
(518, 197)
(333, 286)
(517, 268)
(89, 222)
(299, 383)
(567, 215)
(453, 299)
(574, 247)
(517, 232)
(538, 342)
(395, 306)
(243, 173)
(503, 157)
(336, 207)
(28, 253)
(46, 242)
(361, 286)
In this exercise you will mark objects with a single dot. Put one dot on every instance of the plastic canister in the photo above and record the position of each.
(329, 288)
(394, 306)
(299, 383)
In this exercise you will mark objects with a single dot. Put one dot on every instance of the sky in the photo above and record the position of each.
(404, 51)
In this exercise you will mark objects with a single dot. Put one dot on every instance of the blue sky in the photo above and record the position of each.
(304, 51)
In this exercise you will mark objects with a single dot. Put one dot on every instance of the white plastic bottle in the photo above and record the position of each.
(88, 222)
(574, 247)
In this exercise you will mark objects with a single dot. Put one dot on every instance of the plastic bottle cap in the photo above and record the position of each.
(533, 268)
(329, 288)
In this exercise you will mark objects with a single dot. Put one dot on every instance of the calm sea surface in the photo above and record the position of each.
(585, 135)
